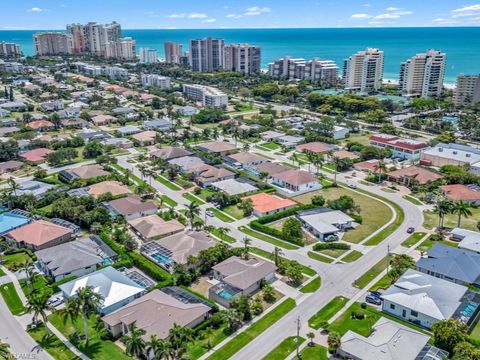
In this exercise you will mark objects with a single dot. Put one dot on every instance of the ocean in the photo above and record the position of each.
(461, 44)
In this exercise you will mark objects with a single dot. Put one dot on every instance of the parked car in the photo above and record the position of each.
(352, 186)
(373, 300)
(55, 301)
(410, 230)
(210, 213)
(377, 294)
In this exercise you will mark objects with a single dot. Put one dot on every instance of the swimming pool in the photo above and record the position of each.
(9, 221)
(469, 309)
(224, 293)
(160, 258)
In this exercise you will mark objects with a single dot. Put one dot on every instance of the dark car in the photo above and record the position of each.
(410, 230)
(377, 294)
(373, 300)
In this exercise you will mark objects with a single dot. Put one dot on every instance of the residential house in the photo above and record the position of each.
(368, 166)
(130, 207)
(121, 143)
(83, 172)
(36, 156)
(53, 105)
(10, 166)
(267, 204)
(103, 119)
(116, 289)
(158, 124)
(4, 113)
(186, 163)
(289, 141)
(413, 175)
(70, 112)
(170, 152)
(233, 187)
(153, 227)
(206, 175)
(91, 135)
(38, 235)
(244, 160)
(9, 122)
(458, 192)
(188, 110)
(13, 106)
(128, 130)
(324, 223)
(221, 148)
(340, 132)
(451, 264)
(404, 149)
(315, 148)
(33, 187)
(74, 258)
(296, 181)
(145, 138)
(239, 277)
(271, 135)
(7, 131)
(270, 169)
(468, 240)
(110, 186)
(75, 123)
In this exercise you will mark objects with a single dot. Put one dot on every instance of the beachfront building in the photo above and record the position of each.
(148, 56)
(173, 52)
(423, 74)
(324, 72)
(363, 71)
(53, 43)
(242, 58)
(207, 55)
(9, 50)
(467, 91)
(207, 95)
(93, 38)
(123, 48)
(158, 81)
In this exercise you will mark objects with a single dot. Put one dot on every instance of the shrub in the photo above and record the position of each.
(363, 305)
(358, 314)
(331, 246)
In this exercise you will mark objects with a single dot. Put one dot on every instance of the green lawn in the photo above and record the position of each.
(200, 346)
(475, 334)
(318, 257)
(221, 215)
(53, 345)
(242, 339)
(315, 352)
(15, 260)
(382, 284)
(305, 269)
(325, 313)
(412, 199)
(193, 199)
(413, 239)
(205, 193)
(234, 211)
(167, 183)
(383, 234)
(335, 253)
(374, 213)
(427, 244)
(97, 348)
(2, 273)
(285, 348)
(168, 201)
(270, 146)
(352, 256)
(312, 286)
(39, 285)
(371, 274)
(431, 220)
(12, 299)
(225, 237)
(269, 239)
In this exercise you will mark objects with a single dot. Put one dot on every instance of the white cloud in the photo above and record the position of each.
(467, 11)
(35, 10)
(387, 16)
(470, 8)
(189, 16)
(439, 20)
(211, 20)
(367, 5)
(360, 16)
(256, 10)
(393, 13)
(391, 8)
(234, 16)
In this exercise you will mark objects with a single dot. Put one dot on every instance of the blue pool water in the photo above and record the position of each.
(107, 261)
(9, 221)
(225, 294)
(469, 309)
(451, 119)
(161, 259)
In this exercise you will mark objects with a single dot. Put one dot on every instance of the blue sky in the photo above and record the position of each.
(195, 14)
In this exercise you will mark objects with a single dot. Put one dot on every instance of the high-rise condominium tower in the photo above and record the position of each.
(363, 71)
(148, 56)
(93, 38)
(173, 52)
(9, 50)
(423, 74)
(207, 55)
(243, 58)
(53, 43)
(467, 91)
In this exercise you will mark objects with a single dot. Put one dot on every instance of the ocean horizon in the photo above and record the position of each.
(461, 44)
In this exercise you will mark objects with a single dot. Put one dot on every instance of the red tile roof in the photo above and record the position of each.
(264, 203)
(38, 233)
(36, 155)
(315, 147)
(422, 176)
(40, 124)
(458, 192)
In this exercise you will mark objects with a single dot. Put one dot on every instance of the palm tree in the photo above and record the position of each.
(379, 168)
(4, 351)
(461, 209)
(192, 210)
(334, 342)
(222, 231)
(134, 343)
(13, 185)
(277, 252)
(180, 337)
(88, 303)
(246, 246)
(27, 268)
(161, 349)
(71, 311)
(208, 332)
(246, 147)
(318, 161)
(38, 305)
(337, 162)
(443, 207)
(231, 317)
(310, 336)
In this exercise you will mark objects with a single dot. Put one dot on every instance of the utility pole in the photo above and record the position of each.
(298, 337)
(388, 258)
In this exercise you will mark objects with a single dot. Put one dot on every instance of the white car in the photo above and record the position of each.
(210, 213)
(352, 186)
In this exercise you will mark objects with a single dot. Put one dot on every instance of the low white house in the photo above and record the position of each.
(469, 240)
(325, 223)
(340, 132)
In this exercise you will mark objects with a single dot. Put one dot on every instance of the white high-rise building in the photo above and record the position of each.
(53, 43)
(324, 72)
(243, 58)
(207, 55)
(467, 91)
(209, 96)
(93, 38)
(363, 71)
(121, 49)
(9, 50)
(158, 81)
(423, 74)
(148, 56)
(173, 52)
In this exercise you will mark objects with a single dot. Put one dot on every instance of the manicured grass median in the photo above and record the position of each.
(224, 237)
(305, 269)
(318, 257)
(168, 201)
(327, 312)
(52, 344)
(221, 215)
(371, 274)
(167, 183)
(352, 256)
(413, 239)
(312, 286)
(242, 339)
(12, 299)
(412, 199)
(269, 239)
(315, 352)
(285, 348)
(193, 199)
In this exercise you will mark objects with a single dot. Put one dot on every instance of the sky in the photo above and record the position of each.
(217, 14)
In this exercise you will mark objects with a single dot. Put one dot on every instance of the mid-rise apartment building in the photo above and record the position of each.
(53, 43)
(173, 52)
(122, 49)
(116, 73)
(363, 71)
(207, 55)
(243, 58)
(9, 50)
(148, 56)
(158, 81)
(467, 91)
(209, 96)
(324, 72)
(423, 74)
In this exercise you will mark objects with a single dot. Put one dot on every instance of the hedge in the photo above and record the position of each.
(259, 224)
(21, 250)
(331, 246)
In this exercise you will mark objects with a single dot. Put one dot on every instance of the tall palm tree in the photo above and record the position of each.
(337, 162)
(38, 305)
(180, 337)
(380, 168)
(461, 209)
(231, 317)
(246, 246)
(443, 207)
(318, 161)
(159, 348)
(71, 311)
(28, 269)
(192, 210)
(277, 252)
(88, 301)
(134, 343)
(334, 342)
(222, 231)
(208, 332)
